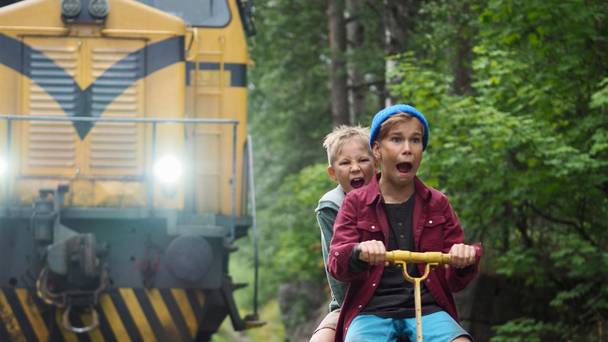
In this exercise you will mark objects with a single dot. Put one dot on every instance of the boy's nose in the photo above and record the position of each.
(406, 148)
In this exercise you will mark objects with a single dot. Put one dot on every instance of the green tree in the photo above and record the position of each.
(517, 96)
(523, 157)
(293, 245)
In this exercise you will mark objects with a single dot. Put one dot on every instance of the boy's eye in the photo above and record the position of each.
(416, 140)
(396, 139)
(344, 162)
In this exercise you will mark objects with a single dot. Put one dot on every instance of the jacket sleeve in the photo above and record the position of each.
(326, 218)
(344, 240)
(457, 278)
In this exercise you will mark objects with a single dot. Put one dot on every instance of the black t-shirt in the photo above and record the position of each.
(394, 296)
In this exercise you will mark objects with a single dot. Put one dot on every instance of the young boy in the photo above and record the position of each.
(351, 165)
(397, 211)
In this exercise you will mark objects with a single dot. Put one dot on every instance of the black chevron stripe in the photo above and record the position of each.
(178, 318)
(148, 310)
(26, 327)
(125, 316)
(156, 56)
(48, 312)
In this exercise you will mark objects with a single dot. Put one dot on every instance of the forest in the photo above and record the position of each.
(516, 94)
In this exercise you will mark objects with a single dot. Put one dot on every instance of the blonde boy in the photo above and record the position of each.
(351, 165)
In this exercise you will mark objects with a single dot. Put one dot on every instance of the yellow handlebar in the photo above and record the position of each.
(431, 260)
(418, 257)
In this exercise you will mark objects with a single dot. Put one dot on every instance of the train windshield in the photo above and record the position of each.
(214, 13)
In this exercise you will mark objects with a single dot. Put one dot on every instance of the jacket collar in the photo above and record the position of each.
(373, 194)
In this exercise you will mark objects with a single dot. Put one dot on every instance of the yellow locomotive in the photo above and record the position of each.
(123, 168)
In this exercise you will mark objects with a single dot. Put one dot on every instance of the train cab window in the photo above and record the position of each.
(7, 2)
(213, 13)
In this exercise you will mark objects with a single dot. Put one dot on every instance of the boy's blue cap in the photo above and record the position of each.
(387, 112)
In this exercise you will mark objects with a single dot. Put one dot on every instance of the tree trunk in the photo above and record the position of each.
(398, 21)
(461, 67)
(338, 72)
(461, 53)
(354, 33)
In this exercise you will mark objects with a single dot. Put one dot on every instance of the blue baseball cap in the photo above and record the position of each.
(387, 112)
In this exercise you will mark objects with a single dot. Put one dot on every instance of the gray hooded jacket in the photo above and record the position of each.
(326, 211)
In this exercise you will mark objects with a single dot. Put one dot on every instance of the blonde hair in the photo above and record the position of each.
(392, 122)
(340, 135)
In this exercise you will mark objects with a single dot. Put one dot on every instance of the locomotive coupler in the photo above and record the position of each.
(78, 276)
(74, 272)
(83, 301)
(81, 296)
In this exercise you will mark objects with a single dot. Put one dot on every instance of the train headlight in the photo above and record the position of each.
(168, 170)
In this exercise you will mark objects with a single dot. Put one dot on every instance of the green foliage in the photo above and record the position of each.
(290, 246)
(290, 113)
(525, 329)
(290, 109)
(600, 98)
(289, 106)
(523, 156)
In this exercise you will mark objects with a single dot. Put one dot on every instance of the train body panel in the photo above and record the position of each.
(216, 81)
(122, 139)
(122, 69)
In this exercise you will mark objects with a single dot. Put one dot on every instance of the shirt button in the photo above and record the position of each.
(374, 284)
(373, 227)
(430, 221)
(399, 223)
(403, 237)
(336, 253)
(360, 306)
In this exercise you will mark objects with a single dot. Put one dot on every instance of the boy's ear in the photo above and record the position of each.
(332, 173)
(376, 151)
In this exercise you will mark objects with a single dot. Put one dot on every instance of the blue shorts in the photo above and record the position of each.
(436, 327)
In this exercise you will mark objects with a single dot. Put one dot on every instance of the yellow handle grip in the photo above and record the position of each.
(418, 257)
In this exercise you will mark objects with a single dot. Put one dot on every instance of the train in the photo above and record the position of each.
(125, 168)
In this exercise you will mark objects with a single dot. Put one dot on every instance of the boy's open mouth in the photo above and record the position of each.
(357, 182)
(405, 167)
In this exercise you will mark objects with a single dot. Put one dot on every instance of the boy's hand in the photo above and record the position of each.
(372, 252)
(462, 255)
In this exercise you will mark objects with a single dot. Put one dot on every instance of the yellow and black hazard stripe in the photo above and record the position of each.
(125, 314)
